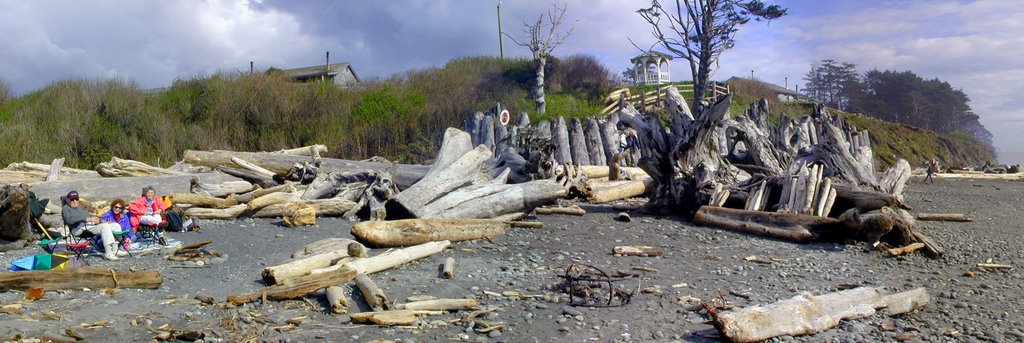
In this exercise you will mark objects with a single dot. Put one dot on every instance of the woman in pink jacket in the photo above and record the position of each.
(148, 210)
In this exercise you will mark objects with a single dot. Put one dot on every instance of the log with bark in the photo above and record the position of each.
(79, 278)
(795, 227)
(406, 175)
(808, 314)
(408, 232)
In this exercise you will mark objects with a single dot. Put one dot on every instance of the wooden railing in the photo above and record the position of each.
(654, 97)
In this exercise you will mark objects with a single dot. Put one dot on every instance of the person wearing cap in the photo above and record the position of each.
(80, 221)
(148, 209)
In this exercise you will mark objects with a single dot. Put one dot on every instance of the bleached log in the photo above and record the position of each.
(578, 143)
(108, 188)
(895, 179)
(637, 250)
(598, 172)
(55, 166)
(795, 227)
(807, 314)
(314, 150)
(829, 202)
(454, 144)
(372, 293)
(45, 169)
(944, 217)
(451, 177)
(397, 257)
(618, 190)
(219, 189)
(275, 274)
(824, 192)
(247, 175)
(260, 171)
(609, 139)
(813, 177)
(441, 305)
(595, 146)
(391, 318)
(216, 213)
(560, 138)
(207, 201)
(406, 175)
(333, 207)
(298, 287)
(271, 199)
(571, 210)
(288, 187)
(408, 232)
(121, 168)
(448, 268)
(465, 194)
(337, 300)
(517, 198)
(326, 245)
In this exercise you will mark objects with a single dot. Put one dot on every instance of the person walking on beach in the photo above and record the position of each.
(928, 176)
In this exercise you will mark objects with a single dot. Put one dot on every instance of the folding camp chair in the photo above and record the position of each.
(154, 233)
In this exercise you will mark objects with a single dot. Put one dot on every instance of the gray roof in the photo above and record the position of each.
(774, 87)
(651, 54)
(319, 70)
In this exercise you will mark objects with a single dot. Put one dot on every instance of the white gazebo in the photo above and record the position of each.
(651, 68)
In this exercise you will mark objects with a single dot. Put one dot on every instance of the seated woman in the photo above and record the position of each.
(148, 210)
(79, 221)
(119, 214)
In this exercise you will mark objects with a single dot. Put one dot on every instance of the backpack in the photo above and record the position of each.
(174, 222)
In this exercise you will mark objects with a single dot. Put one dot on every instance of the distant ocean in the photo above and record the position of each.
(1013, 157)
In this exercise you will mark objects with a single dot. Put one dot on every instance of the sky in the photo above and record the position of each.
(976, 46)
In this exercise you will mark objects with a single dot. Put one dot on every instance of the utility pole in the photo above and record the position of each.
(501, 44)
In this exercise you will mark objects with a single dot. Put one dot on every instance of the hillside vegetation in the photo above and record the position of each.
(401, 118)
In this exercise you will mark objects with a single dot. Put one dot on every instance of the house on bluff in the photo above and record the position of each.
(341, 74)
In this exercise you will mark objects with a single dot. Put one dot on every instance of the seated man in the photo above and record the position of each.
(79, 221)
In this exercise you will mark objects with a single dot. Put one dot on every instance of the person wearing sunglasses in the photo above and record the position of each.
(80, 221)
(119, 214)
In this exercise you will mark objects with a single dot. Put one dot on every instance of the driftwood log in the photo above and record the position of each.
(448, 268)
(794, 227)
(275, 274)
(807, 314)
(392, 317)
(15, 229)
(79, 278)
(200, 200)
(328, 245)
(323, 208)
(408, 232)
(602, 192)
(944, 217)
(494, 200)
(221, 189)
(216, 213)
(637, 250)
(373, 295)
(281, 163)
(441, 305)
(298, 287)
(444, 178)
(127, 188)
(337, 300)
(570, 210)
(118, 167)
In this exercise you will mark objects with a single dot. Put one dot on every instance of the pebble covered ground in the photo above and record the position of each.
(516, 277)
